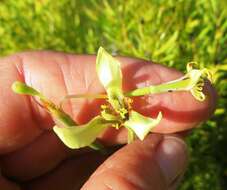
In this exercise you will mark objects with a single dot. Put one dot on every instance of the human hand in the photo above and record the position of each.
(32, 157)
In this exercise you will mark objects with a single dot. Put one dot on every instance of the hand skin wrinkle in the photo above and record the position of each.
(36, 111)
(65, 84)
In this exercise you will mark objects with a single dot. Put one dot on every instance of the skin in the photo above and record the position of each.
(32, 157)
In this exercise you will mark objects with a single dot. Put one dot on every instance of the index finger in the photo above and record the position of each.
(57, 74)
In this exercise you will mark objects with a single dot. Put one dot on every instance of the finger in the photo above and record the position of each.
(69, 175)
(17, 123)
(76, 74)
(57, 74)
(181, 111)
(35, 159)
(154, 163)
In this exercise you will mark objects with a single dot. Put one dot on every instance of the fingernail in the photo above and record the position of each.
(172, 157)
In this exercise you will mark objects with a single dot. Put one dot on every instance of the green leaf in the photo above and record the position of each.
(140, 124)
(81, 136)
(109, 73)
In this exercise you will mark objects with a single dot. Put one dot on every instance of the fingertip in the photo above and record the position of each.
(181, 111)
(156, 162)
(132, 167)
(172, 158)
(211, 98)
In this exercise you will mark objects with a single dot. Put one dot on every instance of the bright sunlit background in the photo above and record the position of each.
(171, 32)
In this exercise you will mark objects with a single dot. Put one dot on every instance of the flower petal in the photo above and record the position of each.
(109, 73)
(81, 136)
(108, 69)
(140, 124)
(198, 94)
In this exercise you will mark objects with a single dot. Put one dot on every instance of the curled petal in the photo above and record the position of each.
(81, 136)
(192, 65)
(140, 124)
(207, 74)
(198, 94)
(196, 78)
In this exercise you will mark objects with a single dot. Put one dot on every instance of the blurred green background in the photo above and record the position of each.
(166, 31)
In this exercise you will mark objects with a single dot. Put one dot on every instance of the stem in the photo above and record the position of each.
(62, 119)
(131, 136)
(88, 96)
(176, 85)
(181, 84)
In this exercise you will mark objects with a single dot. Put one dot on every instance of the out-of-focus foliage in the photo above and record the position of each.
(171, 32)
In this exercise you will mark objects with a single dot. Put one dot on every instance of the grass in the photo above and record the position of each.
(171, 32)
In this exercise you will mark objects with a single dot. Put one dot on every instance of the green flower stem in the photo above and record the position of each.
(89, 96)
(60, 117)
(182, 84)
(131, 136)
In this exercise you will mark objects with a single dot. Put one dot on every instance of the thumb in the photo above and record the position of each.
(155, 163)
